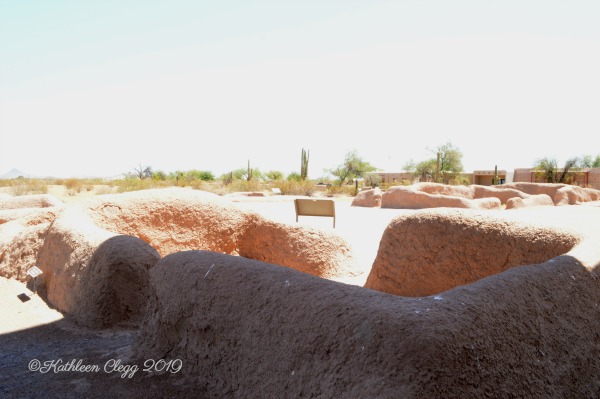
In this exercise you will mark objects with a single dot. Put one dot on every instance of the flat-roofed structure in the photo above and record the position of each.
(586, 177)
(486, 177)
(392, 177)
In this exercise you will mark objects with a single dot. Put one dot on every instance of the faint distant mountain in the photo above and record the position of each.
(13, 174)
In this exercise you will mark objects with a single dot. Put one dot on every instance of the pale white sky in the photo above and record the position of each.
(95, 88)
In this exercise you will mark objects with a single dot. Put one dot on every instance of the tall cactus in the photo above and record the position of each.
(249, 176)
(495, 181)
(304, 164)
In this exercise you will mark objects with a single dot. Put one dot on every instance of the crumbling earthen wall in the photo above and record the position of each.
(176, 220)
(30, 201)
(433, 251)
(281, 333)
(410, 198)
(97, 277)
(96, 256)
(562, 194)
(368, 198)
(21, 239)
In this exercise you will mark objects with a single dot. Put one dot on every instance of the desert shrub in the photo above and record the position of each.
(373, 180)
(294, 176)
(73, 185)
(177, 175)
(203, 175)
(294, 187)
(340, 190)
(273, 175)
(104, 189)
(134, 184)
(257, 174)
(227, 178)
(28, 186)
(244, 185)
(460, 180)
(214, 187)
(159, 175)
(239, 174)
(199, 185)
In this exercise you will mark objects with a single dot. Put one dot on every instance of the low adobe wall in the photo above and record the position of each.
(562, 194)
(97, 277)
(435, 195)
(30, 201)
(96, 257)
(413, 198)
(428, 252)
(368, 198)
(173, 220)
(22, 237)
(281, 333)
(301, 248)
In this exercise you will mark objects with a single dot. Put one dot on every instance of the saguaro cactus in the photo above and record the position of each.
(304, 164)
(495, 182)
(249, 176)
(437, 169)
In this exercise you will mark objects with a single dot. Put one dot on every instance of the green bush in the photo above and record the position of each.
(159, 175)
(274, 175)
(294, 176)
(203, 175)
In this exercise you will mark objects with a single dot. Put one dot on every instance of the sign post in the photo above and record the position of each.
(34, 272)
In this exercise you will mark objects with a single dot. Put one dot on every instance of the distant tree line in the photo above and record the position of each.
(146, 172)
(445, 166)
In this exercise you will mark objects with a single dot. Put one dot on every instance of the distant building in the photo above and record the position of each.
(587, 177)
(388, 178)
(486, 177)
(481, 177)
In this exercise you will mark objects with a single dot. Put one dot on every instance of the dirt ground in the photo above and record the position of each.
(31, 331)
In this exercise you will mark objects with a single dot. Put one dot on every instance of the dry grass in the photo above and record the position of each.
(104, 189)
(134, 184)
(334, 190)
(26, 186)
(74, 187)
(291, 187)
